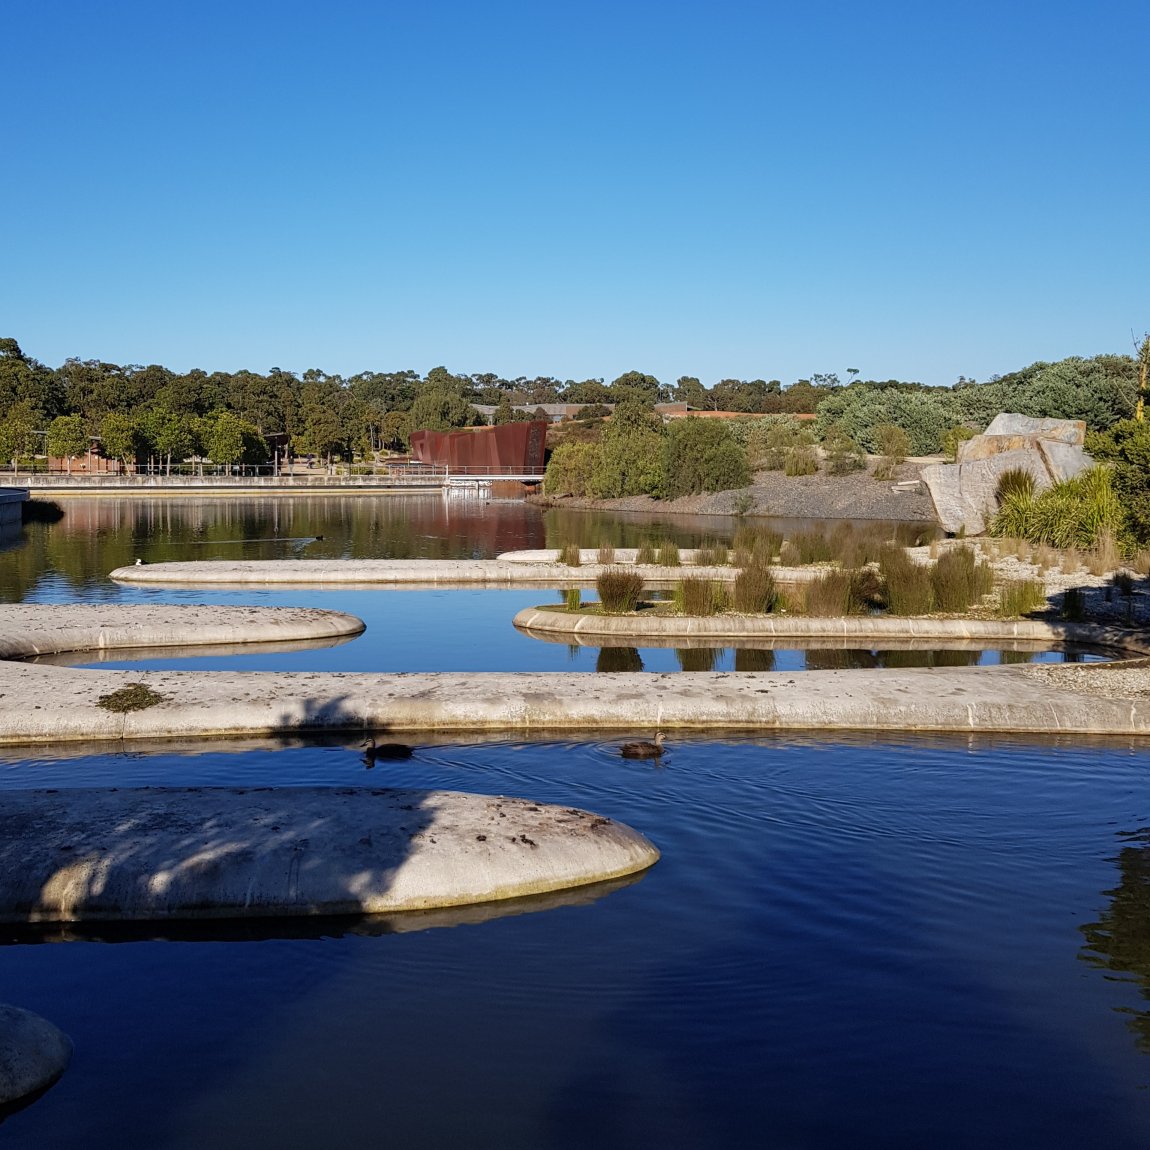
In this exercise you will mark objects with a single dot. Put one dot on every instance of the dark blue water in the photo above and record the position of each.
(848, 942)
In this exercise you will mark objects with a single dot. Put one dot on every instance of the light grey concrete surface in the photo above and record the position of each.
(224, 852)
(33, 1053)
(864, 629)
(29, 629)
(414, 572)
(42, 704)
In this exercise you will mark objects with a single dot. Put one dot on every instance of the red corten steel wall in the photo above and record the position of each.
(509, 449)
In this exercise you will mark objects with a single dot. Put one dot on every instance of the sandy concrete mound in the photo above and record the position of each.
(33, 1053)
(225, 852)
(1049, 450)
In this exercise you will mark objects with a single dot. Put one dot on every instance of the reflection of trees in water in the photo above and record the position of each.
(753, 659)
(97, 535)
(698, 658)
(1120, 940)
(618, 659)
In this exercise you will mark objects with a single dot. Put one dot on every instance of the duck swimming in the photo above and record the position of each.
(642, 749)
(374, 752)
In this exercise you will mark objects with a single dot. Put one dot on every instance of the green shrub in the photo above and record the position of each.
(630, 457)
(835, 593)
(669, 554)
(699, 596)
(702, 455)
(1072, 514)
(571, 468)
(755, 591)
(801, 461)
(959, 580)
(1020, 597)
(893, 447)
(843, 454)
(770, 445)
(569, 554)
(1073, 604)
(954, 437)
(619, 590)
(909, 590)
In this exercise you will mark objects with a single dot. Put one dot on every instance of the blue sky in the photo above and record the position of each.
(576, 189)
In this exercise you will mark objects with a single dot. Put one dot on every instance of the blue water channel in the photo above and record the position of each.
(849, 941)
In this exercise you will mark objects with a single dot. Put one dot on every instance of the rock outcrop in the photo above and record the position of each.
(1050, 450)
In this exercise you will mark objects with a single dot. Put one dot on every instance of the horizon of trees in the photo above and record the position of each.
(140, 412)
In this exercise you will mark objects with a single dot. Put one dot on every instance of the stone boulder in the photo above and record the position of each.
(963, 492)
(33, 1053)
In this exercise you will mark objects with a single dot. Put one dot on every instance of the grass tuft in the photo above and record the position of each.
(1021, 597)
(619, 590)
(569, 555)
(669, 554)
(755, 592)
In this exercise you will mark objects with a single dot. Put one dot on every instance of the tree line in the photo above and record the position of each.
(137, 412)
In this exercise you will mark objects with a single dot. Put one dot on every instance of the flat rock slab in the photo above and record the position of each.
(30, 629)
(33, 1053)
(149, 854)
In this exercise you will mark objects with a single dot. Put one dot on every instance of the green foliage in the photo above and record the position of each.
(699, 596)
(18, 431)
(571, 469)
(859, 410)
(669, 554)
(441, 409)
(645, 555)
(630, 458)
(229, 440)
(843, 454)
(67, 437)
(702, 455)
(1013, 484)
(1021, 597)
(894, 446)
(909, 588)
(1126, 448)
(712, 554)
(121, 437)
(812, 547)
(774, 443)
(837, 593)
(959, 580)
(755, 591)
(619, 590)
(1075, 513)
(955, 436)
(572, 598)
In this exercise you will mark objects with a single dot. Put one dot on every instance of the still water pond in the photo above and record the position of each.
(849, 941)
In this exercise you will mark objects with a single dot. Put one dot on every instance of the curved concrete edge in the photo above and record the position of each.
(415, 572)
(205, 852)
(33, 1053)
(865, 628)
(27, 630)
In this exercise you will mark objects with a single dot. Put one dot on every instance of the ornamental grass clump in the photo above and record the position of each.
(755, 591)
(1021, 597)
(1078, 512)
(959, 580)
(699, 596)
(619, 590)
(837, 593)
(645, 556)
(711, 554)
(813, 547)
(570, 555)
(668, 555)
(908, 586)
(572, 598)
(605, 554)
(801, 461)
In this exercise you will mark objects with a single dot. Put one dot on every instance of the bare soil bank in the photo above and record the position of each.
(821, 496)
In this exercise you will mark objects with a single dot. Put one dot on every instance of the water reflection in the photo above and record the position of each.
(618, 659)
(1120, 941)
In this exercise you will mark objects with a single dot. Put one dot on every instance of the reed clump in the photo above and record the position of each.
(619, 590)
(645, 556)
(1105, 556)
(605, 555)
(1021, 597)
(668, 555)
(909, 590)
(572, 598)
(699, 596)
(570, 555)
(755, 591)
(711, 554)
(812, 547)
(836, 593)
(959, 580)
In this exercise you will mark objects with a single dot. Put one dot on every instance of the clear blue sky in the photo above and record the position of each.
(577, 189)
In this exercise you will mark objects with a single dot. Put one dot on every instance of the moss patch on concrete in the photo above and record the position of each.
(132, 697)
